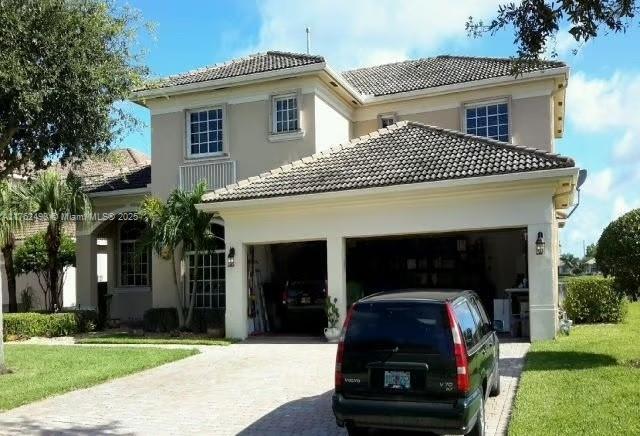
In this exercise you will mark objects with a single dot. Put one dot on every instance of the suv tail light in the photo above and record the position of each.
(460, 352)
(340, 353)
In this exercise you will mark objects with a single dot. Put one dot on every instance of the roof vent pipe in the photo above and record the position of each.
(308, 40)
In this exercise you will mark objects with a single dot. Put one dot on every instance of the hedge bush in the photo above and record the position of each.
(165, 319)
(594, 300)
(25, 325)
(160, 320)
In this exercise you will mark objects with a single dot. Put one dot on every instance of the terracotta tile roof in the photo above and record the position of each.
(432, 72)
(252, 64)
(403, 153)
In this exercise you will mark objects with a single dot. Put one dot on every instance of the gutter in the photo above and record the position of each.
(408, 188)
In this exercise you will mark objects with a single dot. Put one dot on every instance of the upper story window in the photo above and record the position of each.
(490, 120)
(285, 113)
(385, 120)
(205, 132)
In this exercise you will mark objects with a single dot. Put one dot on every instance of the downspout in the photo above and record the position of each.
(582, 177)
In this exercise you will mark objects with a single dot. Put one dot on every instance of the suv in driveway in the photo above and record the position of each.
(416, 360)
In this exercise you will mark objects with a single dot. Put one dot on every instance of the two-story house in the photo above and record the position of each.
(435, 172)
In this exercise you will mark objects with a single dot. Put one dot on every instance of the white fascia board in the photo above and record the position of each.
(465, 86)
(342, 82)
(448, 185)
(140, 96)
(120, 192)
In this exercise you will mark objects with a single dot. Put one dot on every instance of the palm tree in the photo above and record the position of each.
(10, 223)
(175, 228)
(57, 199)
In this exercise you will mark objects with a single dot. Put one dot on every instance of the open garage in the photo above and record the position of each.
(493, 263)
(287, 288)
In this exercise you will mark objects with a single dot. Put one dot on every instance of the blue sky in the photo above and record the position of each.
(603, 104)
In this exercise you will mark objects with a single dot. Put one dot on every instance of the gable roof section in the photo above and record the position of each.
(433, 72)
(404, 153)
(252, 64)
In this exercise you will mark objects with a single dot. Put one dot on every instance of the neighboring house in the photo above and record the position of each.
(437, 172)
(590, 266)
(94, 172)
(564, 269)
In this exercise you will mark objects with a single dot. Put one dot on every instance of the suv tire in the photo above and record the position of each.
(352, 430)
(479, 426)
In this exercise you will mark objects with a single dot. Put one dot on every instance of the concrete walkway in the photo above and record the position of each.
(258, 387)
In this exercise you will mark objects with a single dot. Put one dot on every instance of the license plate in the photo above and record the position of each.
(305, 300)
(397, 380)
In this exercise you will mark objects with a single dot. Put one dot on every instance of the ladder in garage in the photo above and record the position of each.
(256, 293)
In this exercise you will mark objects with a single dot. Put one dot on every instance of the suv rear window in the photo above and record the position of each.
(468, 324)
(410, 326)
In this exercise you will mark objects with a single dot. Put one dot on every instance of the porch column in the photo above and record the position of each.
(543, 285)
(86, 271)
(336, 274)
(236, 312)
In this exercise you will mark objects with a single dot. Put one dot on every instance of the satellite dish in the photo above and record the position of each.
(582, 177)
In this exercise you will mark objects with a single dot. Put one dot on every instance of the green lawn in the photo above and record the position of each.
(40, 371)
(155, 339)
(587, 383)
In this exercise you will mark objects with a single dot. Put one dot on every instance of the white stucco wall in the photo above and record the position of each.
(332, 127)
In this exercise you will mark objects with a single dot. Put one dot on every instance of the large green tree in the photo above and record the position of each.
(33, 257)
(176, 227)
(63, 65)
(618, 253)
(56, 199)
(535, 23)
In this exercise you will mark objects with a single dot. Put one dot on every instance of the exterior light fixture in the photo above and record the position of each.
(540, 244)
(231, 258)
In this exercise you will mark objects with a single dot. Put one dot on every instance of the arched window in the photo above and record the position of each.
(210, 279)
(135, 263)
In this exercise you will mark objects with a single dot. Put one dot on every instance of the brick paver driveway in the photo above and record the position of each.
(248, 388)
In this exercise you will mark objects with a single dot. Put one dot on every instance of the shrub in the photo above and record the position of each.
(161, 319)
(618, 253)
(204, 319)
(593, 300)
(165, 319)
(38, 324)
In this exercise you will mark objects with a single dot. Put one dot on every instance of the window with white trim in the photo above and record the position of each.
(135, 262)
(209, 273)
(285, 113)
(205, 132)
(490, 120)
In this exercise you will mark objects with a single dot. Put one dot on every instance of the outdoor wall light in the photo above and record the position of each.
(540, 244)
(231, 258)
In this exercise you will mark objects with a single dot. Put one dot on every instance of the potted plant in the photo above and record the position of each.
(332, 333)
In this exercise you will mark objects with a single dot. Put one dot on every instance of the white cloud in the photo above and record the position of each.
(622, 206)
(628, 147)
(601, 104)
(599, 184)
(356, 33)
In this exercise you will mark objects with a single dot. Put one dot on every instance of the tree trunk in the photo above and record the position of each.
(53, 247)
(192, 296)
(7, 254)
(180, 307)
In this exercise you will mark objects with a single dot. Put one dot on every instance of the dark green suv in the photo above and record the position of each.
(416, 360)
